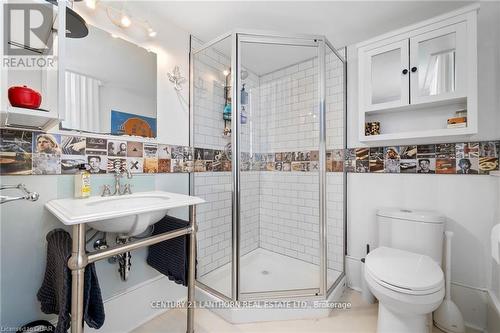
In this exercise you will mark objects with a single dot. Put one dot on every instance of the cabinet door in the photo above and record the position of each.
(438, 64)
(385, 77)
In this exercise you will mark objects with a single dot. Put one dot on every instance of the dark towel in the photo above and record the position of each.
(171, 257)
(55, 292)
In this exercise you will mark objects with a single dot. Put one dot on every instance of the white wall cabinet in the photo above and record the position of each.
(414, 79)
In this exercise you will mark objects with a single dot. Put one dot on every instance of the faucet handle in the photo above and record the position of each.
(127, 189)
(106, 191)
(118, 167)
(129, 173)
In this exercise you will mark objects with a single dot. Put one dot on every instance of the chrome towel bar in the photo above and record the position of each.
(31, 196)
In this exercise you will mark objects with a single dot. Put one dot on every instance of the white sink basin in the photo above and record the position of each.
(128, 215)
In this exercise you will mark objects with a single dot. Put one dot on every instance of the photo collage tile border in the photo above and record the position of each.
(24, 152)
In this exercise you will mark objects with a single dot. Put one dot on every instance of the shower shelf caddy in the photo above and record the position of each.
(227, 101)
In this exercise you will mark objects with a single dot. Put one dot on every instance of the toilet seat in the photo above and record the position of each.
(404, 272)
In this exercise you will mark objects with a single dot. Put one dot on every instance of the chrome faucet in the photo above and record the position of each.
(118, 173)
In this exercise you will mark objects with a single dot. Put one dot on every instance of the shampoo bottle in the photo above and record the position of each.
(82, 182)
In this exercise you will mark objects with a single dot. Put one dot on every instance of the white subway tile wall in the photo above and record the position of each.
(209, 82)
(289, 219)
(289, 214)
(215, 217)
(214, 220)
(214, 245)
(289, 119)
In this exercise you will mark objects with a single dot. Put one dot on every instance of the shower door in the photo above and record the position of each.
(336, 178)
(210, 85)
(277, 182)
(267, 119)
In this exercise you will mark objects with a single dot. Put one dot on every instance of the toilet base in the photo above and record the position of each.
(390, 321)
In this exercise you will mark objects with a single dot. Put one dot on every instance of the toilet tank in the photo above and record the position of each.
(418, 231)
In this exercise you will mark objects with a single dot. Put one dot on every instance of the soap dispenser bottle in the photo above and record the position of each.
(82, 182)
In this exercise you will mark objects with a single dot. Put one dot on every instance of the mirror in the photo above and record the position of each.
(386, 77)
(110, 86)
(436, 60)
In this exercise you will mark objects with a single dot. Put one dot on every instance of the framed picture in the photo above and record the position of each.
(132, 124)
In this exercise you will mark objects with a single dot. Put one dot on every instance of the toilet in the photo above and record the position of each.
(404, 272)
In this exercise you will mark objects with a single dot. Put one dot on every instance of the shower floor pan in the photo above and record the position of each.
(263, 270)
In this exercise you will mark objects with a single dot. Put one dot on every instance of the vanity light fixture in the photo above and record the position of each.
(121, 18)
(117, 17)
(125, 21)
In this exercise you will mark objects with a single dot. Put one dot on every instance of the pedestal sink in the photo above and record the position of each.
(128, 215)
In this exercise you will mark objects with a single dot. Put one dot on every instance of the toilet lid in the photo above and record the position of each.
(404, 271)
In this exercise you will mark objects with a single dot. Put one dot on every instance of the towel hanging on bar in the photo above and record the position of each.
(55, 292)
(171, 257)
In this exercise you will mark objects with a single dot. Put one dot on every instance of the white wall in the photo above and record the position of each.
(467, 201)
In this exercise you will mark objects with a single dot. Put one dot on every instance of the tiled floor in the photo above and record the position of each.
(361, 318)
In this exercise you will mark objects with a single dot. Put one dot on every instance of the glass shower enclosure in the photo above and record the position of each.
(267, 123)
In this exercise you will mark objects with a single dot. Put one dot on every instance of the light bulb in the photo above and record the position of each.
(151, 33)
(91, 4)
(225, 72)
(125, 21)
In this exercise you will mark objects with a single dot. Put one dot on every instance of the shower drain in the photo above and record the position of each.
(264, 272)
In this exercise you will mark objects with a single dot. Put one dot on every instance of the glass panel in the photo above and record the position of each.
(210, 77)
(386, 77)
(279, 172)
(436, 65)
(335, 131)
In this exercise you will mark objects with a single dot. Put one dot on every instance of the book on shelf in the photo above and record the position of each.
(457, 120)
(458, 125)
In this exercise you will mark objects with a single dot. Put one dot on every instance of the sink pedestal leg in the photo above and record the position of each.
(191, 271)
(79, 260)
(77, 263)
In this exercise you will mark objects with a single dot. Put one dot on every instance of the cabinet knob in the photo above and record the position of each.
(413, 69)
(405, 71)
